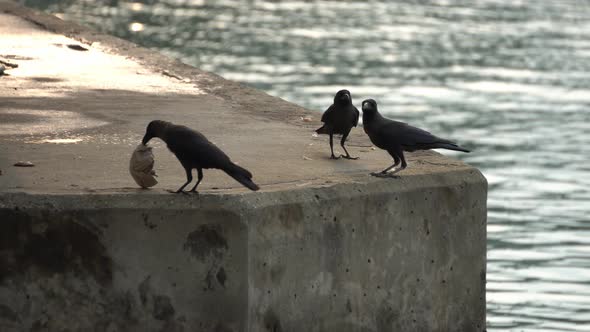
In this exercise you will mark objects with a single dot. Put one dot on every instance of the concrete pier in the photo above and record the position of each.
(322, 246)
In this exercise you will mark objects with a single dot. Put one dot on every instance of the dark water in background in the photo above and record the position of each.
(510, 79)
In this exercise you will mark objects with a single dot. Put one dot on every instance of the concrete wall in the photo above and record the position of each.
(388, 255)
(124, 264)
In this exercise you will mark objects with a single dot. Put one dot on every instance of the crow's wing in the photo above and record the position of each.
(410, 135)
(193, 149)
(394, 133)
(413, 138)
(328, 114)
(356, 112)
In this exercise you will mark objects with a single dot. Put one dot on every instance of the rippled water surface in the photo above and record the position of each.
(510, 79)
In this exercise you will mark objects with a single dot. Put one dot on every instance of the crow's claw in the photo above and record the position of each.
(384, 175)
(177, 192)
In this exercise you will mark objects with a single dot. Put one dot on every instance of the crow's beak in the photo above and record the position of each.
(146, 139)
(346, 97)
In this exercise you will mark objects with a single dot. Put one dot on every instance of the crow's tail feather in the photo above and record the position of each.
(322, 130)
(241, 175)
(450, 146)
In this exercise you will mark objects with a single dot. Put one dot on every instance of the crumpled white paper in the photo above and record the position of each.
(141, 166)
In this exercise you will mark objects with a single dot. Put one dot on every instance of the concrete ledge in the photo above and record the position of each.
(362, 257)
(322, 247)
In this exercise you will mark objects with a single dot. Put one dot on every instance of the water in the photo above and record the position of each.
(510, 79)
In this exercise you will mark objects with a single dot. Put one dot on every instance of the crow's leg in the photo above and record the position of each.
(332, 147)
(189, 178)
(404, 164)
(344, 136)
(396, 160)
(398, 156)
(199, 178)
(384, 174)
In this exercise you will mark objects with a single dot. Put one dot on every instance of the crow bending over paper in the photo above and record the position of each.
(194, 150)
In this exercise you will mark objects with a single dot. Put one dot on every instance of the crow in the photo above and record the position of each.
(396, 137)
(339, 118)
(194, 150)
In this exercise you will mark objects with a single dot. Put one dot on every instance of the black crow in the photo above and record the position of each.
(339, 118)
(194, 150)
(396, 137)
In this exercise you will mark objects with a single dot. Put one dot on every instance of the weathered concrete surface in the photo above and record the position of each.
(341, 258)
(322, 247)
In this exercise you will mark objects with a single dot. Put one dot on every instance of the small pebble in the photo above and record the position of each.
(307, 119)
(76, 47)
(306, 158)
(24, 164)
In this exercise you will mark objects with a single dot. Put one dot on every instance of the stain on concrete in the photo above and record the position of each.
(209, 280)
(163, 309)
(67, 308)
(276, 273)
(45, 79)
(290, 215)
(426, 225)
(160, 305)
(122, 308)
(221, 327)
(146, 221)
(39, 325)
(221, 276)
(207, 240)
(348, 306)
(51, 243)
(144, 289)
(172, 326)
(333, 238)
(385, 317)
(272, 322)
(6, 313)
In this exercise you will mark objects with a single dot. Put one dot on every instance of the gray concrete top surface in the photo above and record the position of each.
(78, 115)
